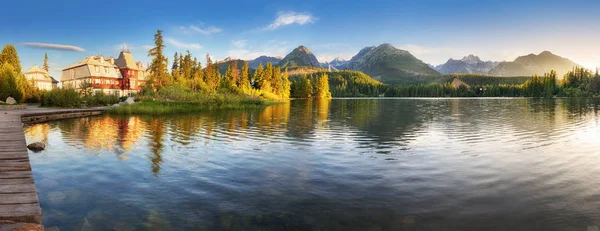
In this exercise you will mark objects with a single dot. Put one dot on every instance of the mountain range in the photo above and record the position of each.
(391, 65)
(532, 64)
(470, 64)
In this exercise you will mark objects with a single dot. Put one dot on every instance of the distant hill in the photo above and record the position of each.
(390, 65)
(532, 64)
(253, 64)
(300, 57)
(467, 65)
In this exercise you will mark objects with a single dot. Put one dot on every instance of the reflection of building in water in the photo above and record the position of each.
(130, 131)
(105, 132)
(37, 133)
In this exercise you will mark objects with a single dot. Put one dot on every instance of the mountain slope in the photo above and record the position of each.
(534, 64)
(300, 57)
(390, 65)
(253, 64)
(467, 65)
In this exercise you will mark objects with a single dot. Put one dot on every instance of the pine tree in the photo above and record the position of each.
(277, 82)
(187, 65)
(258, 77)
(210, 77)
(175, 67)
(180, 63)
(158, 66)
(10, 56)
(46, 67)
(267, 75)
(322, 87)
(286, 85)
(244, 76)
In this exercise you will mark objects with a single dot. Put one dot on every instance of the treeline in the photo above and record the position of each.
(340, 84)
(12, 82)
(578, 82)
(186, 71)
(449, 90)
(482, 80)
(313, 86)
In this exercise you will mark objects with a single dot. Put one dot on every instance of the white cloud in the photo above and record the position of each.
(239, 43)
(290, 17)
(53, 46)
(196, 29)
(207, 31)
(182, 45)
(269, 48)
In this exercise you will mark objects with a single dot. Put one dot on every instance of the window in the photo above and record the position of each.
(97, 69)
(106, 70)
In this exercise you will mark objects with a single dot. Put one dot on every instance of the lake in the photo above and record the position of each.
(341, 164)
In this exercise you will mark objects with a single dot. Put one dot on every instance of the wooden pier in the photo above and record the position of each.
(18, 196)
(19, 204)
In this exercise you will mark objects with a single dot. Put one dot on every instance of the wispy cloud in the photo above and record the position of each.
(290, 17)
(53, 46)
(183, 45)
(196, 29)
(269, 48)
(239, 43)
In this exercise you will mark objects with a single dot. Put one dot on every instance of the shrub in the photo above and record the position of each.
(64, 97)
(101, 99)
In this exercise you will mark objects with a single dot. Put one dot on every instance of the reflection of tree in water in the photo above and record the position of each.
(387, 122)
(157, 132)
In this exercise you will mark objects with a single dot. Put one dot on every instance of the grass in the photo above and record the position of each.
(165, 108)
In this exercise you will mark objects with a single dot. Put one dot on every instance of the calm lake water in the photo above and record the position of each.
(343, 164)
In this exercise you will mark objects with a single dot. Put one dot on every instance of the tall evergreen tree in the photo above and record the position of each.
(244, 76)
(46, 66)
(212, 80)
(286, 85)
(277, 82)
(322, 87)
(187, 65)
(257, 79)
(10, 56)
(175, 66)
(267, 75)
(158, 66)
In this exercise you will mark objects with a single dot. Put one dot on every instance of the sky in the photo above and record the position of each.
(432, 30)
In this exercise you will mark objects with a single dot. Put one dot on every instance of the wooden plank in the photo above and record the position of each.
(20, 198)
(17, 188)
(29, 213)
(14, 164)
(13, 156)
(15, 175)
(18, 181)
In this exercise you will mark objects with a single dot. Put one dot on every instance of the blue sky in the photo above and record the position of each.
(434, 31)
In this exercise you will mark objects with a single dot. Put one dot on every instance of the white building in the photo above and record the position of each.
(40, 78)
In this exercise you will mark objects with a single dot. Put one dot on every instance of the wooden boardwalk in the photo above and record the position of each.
(18, 196)
(19, 204)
